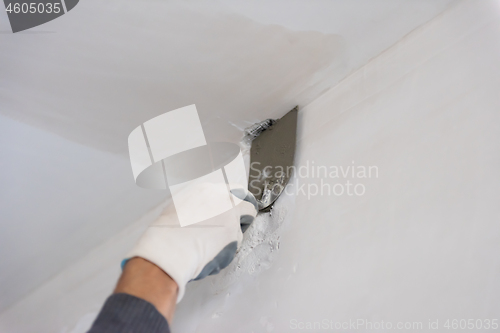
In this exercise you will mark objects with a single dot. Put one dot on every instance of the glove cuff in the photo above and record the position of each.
(153, 249)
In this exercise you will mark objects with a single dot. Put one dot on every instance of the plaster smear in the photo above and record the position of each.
(207, 301)
(158, 56)
(261, 243)
(106, 67)
(261, 239)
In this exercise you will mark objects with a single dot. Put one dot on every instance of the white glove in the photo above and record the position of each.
(198, 250)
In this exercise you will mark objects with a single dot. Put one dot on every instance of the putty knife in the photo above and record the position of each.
(271, 157)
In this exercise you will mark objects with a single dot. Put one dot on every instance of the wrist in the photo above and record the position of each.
(143, 279)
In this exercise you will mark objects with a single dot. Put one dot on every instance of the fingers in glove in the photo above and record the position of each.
(221, 261)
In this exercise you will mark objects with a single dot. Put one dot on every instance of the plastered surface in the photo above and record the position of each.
(72, 90)
(419, 244)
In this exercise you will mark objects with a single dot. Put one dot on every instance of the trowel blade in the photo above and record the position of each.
(271, 160)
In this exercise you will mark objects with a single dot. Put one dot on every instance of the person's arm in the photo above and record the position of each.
(168, 256)
(145, 280)
(143, 301)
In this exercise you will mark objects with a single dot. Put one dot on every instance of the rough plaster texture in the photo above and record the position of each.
(420, 244)
(72, 90)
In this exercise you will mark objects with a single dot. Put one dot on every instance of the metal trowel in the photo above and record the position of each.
(271, 157)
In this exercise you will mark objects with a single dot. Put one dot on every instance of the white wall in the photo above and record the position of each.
(73, 89)
(422, 242)
(58, 200)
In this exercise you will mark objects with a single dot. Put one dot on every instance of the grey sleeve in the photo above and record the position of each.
(123, 313)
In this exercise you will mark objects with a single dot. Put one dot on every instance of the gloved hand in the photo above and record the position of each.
(196, 251)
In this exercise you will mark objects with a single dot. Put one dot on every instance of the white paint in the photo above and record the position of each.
(174, 132)
(424, 112)
(236, 174)
(387, 19)
(423, 242)
(193, 206)
(138, 152)
(50, 213)
(67, 301)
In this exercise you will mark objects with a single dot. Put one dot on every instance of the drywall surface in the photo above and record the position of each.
(58, 198)
(107, 67)
(420, 243)
(70, 301)
(73, 89)
(418, 239)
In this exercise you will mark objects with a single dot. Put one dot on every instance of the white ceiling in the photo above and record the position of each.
(73, 89)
